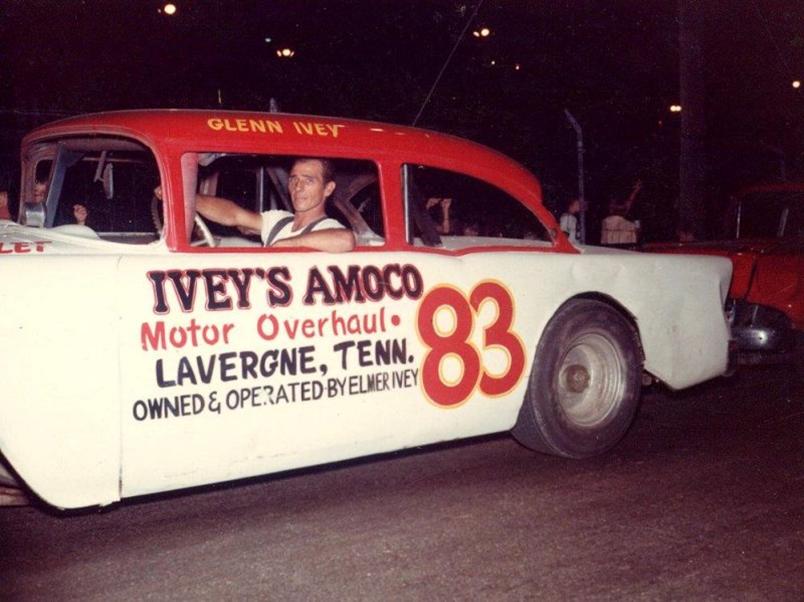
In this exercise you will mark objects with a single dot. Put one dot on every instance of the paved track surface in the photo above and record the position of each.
(703, 499)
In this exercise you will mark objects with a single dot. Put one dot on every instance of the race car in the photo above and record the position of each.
(148, 349)
(763, 236)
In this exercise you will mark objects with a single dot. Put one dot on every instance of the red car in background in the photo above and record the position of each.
(764, 238)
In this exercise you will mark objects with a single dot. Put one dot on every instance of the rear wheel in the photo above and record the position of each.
(585, 382)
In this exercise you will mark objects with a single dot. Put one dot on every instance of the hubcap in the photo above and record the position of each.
(576, 378)
(591, 380)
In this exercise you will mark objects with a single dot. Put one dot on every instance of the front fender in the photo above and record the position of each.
(59, 414)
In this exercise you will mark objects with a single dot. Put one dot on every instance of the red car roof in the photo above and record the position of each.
(292, 134)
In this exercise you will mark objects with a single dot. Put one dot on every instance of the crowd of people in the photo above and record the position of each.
(618, 228)
(621, 226)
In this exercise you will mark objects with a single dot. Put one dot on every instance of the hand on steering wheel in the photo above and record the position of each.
(200, 225)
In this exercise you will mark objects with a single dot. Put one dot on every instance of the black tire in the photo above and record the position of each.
(585, 382)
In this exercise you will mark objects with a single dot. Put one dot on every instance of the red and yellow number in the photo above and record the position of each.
(498, 334)
(442, 345)
(456, 343)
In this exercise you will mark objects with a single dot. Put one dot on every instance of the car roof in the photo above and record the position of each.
(285, 133)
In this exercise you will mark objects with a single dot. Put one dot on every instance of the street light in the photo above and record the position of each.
(675, 108)
(169, 9)
(483, 32)
(285, 53)
(797, 84)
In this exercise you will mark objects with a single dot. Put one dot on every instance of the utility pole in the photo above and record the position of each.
(579, 147)
(692, 155)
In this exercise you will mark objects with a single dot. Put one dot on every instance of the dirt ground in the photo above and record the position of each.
(703, 499)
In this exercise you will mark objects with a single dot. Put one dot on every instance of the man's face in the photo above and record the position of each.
(39, 192)
(306, 185)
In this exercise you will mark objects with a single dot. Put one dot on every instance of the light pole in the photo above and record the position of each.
(579, 146)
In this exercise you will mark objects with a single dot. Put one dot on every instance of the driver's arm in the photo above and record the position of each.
(223, 211)
(226, 212)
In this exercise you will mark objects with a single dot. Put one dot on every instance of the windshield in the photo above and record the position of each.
(770, 214)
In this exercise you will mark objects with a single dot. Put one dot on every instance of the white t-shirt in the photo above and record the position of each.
(569, 224)
(616, 230)
(271, 218)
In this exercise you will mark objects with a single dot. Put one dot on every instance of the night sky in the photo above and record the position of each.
(613, 64)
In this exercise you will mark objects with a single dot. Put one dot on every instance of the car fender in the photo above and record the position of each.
(60, 424)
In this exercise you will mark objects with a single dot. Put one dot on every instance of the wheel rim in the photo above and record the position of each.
(591, 380)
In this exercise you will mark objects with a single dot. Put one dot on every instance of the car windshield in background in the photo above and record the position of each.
(771, 214)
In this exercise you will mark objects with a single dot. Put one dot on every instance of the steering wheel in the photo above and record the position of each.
(200, 225)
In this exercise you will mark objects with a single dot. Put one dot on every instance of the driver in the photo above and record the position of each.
(311, 182)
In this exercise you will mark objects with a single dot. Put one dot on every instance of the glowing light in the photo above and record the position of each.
(169, 9)
(517, 67)
(483, 32)
(267, 40)
(797, 84)
(285, 53)
(675, 108)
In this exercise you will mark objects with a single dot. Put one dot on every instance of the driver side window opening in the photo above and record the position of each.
(259, 183)
(455, 211)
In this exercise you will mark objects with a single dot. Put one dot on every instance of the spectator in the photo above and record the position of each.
(80, 211)
(442, 226)
(471, 229)
(80, 214)
(569, 220)
(685, 232)
(5, 213)
(39, 191)
(617, 229)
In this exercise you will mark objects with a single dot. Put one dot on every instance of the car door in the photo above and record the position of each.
(242, 360)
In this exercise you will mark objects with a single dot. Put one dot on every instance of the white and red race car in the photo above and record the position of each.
(146, 350)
